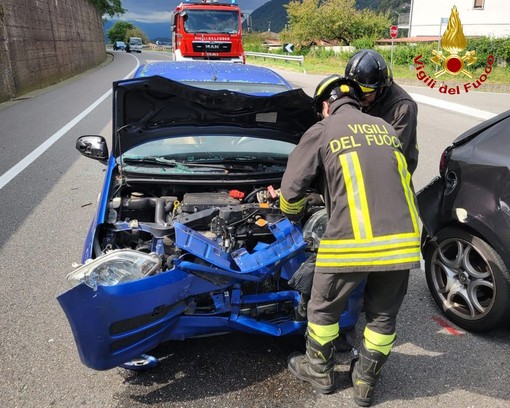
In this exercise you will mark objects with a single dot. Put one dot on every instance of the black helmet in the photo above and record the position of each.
(333, 87)
(369, 69)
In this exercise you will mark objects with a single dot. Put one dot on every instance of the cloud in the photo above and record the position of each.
(149, 17)
(160, 11)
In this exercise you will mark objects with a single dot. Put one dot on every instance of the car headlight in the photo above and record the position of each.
(115, 267)
(315, 227)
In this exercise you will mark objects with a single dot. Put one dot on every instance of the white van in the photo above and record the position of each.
(134, 44)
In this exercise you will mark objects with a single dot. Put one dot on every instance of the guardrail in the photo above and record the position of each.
(299, 58)
(156, 47)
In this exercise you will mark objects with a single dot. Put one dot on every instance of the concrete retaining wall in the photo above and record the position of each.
(43, 42)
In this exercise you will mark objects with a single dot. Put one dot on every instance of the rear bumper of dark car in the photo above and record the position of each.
(430, 200)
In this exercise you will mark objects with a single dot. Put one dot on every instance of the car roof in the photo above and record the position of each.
(211, 71)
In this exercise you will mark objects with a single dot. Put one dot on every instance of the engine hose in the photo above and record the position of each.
(159, 213)
(162, 206)
(248, 198)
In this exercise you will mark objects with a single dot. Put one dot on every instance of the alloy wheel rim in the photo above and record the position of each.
(463, 279)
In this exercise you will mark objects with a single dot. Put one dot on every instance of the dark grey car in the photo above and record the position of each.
(119, 45)
(466, 217)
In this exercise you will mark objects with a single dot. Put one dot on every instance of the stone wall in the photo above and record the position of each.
(43, 42)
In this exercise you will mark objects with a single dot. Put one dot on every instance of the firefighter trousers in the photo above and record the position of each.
(383, 296)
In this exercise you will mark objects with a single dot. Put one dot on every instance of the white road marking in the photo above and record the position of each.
(455, 107)
(24, 163)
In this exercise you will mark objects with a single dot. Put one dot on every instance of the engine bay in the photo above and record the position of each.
(142, 218)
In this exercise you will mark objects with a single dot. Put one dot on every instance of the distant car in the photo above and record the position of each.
(466, 240)
(119, 45)
(188, 239)
(134, 44)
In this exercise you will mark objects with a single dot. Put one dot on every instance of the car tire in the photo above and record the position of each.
(467, 279)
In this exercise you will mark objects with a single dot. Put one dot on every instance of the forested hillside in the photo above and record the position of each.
(272, 16)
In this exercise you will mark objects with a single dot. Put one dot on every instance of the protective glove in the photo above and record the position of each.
(303, 278)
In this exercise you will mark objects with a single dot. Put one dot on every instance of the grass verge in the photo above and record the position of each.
(498, 79)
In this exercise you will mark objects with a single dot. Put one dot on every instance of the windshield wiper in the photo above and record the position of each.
(162, 162)
(149, 160)
(261, 161)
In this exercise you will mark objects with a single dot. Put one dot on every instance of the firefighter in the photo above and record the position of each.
(385, 99)
(356, 162)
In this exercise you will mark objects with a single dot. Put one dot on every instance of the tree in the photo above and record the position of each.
(369, 24)
(332, 20)
(304, 21)
(119, 31)
(110, 7)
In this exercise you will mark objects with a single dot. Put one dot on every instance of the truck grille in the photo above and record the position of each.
(212, 46)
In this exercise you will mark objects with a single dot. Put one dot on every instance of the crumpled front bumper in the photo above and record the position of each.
(114, 324)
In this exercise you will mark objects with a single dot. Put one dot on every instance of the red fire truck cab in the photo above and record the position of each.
(207, 30)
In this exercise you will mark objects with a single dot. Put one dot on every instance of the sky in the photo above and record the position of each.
(159, 11)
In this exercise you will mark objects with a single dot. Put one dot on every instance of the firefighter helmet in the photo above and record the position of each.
(369, 69)
(333, 87)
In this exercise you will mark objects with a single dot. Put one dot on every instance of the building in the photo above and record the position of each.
(490, 18)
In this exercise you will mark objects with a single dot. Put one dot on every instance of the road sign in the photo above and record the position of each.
(393, 31)
(288, 47)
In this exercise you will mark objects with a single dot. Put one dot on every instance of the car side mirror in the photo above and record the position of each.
(93, 147)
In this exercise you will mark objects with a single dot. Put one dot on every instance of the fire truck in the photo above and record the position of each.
(207, 30)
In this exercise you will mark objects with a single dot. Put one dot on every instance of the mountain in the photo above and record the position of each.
(161, 31)
(271, 16)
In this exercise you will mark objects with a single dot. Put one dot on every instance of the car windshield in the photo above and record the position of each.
(208, 154)
(211, 21)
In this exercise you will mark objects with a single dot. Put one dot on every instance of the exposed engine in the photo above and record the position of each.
(144, 220)
(236, 221)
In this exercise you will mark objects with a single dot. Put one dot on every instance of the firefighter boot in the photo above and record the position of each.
(316, 366)
(364, 373)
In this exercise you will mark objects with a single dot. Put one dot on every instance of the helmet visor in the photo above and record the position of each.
(367, 90)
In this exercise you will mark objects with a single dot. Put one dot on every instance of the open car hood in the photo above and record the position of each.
(150, 108)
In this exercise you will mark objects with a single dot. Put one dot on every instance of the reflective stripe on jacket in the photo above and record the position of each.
(357, 163)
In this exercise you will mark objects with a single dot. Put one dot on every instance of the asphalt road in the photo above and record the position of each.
(48, 195)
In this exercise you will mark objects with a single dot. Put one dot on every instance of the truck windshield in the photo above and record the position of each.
(135, 41)
(211, 21)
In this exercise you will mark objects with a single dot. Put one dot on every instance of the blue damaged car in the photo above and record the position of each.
(188, 239)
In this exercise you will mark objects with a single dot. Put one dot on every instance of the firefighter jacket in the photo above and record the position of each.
(397, 108)
(356, 162)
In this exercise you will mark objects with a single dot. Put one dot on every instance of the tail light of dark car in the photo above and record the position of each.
(443, 162)
(448, 174)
